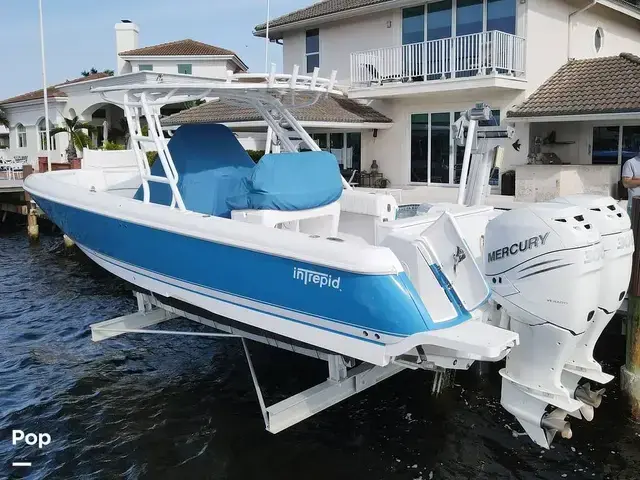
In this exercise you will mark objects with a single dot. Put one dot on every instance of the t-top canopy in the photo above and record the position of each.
(237, 86)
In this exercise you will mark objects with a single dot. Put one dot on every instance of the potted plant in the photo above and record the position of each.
(77, 137)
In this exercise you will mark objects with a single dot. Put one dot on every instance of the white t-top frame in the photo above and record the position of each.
(273, 96)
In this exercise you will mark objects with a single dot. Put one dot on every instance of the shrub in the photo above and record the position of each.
(112, 146)
(255, 154)
(151, 157)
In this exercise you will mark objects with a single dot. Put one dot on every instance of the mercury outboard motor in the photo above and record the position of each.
(543, 263)
(617, 240)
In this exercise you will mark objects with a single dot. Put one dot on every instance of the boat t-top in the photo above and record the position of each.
(284, 251)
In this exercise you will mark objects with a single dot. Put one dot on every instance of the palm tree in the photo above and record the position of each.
(77, 137)
(4, 120)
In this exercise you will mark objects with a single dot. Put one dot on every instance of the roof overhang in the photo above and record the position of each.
(620, 6)
(149, 58)
(590, 117)
(354, 12)
(35, 101)
(305, 124)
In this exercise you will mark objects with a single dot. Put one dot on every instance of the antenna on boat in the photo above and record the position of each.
(266, 48)
(44, 89)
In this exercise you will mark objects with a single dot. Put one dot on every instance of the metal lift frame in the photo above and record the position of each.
(345, 378)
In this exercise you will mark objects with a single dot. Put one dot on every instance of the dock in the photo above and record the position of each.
(14, 199)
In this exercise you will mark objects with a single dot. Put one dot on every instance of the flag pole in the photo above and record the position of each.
(44, 82)
(266, 48)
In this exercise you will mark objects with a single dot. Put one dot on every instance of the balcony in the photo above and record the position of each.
(492, 59)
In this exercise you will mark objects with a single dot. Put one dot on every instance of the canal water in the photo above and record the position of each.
(183, 407)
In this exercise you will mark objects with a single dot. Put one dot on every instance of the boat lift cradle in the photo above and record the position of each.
(346, 378)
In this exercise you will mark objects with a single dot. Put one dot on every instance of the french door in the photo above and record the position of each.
(432, 157)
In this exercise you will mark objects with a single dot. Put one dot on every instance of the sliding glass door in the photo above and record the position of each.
(431, 147)
(435, 159)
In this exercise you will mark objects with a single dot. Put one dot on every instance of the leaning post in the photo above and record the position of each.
(630, 371)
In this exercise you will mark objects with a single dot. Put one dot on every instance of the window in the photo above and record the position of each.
(145, 68)
(345, 146)
(419, 147)
(336, 142)
(313, 49)
(469, 17)
(598, 38)
(439, 17)
(22, 136)
(42, 135)
(501, 16)
(184, 68)
(615, 145)
(413, 25)
(606, 142)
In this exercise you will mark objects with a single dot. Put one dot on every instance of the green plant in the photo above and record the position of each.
(93, 71)
(255, 155)
(77, 137)
(151, 157)
(107, 145)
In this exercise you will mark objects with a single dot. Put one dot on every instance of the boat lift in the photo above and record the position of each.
(345, 378)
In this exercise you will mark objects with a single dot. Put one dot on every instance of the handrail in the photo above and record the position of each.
(466, 55)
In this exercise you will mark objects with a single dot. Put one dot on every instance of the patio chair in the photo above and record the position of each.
(351, 179)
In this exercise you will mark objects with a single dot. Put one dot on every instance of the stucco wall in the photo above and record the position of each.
(339, 39)
(202, 68)
(392, 147)
(30, 116)
(548, 36)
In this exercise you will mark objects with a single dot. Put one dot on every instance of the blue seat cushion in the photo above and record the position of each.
(290, 181)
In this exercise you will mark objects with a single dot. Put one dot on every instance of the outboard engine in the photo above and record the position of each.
(543, 263)
(617, 240)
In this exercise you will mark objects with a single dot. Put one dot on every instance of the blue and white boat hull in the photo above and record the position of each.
(351, 299)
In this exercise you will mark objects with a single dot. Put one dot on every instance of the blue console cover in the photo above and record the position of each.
(290, 181)
(211, 166)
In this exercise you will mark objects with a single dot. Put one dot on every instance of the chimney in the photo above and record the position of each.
(126, 39)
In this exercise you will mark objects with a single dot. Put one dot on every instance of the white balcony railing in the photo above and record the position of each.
(465, 56)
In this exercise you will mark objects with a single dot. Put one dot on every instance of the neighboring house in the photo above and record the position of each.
(420, 64)
(335, 123)
(183, 61)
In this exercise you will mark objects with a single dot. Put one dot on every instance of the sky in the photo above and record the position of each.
(79, 34)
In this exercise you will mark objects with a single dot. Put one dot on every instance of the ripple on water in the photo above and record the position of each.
(159, 407)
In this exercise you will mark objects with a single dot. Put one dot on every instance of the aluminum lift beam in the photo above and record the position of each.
(344, 380)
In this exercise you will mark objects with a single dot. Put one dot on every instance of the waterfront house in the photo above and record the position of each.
(184, 61)
(420, 63)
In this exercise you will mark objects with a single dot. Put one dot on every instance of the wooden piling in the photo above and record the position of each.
(68, 242)
(630, 371)
(32, 225)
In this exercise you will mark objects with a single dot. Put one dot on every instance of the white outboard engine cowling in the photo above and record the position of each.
(617, 240)
(543, 263)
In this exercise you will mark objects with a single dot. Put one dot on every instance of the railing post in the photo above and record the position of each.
(510, 39)
(630, 371)
(454, 51)
(494, 40)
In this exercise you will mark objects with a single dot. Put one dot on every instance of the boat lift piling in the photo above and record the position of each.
(630, 371)
(344, 380)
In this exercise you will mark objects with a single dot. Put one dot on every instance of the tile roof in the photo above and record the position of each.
(35, 95)
(52, 91)
(331, 109)
(328, 7)
(590, 86)
(319, 9)
(180, 47)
